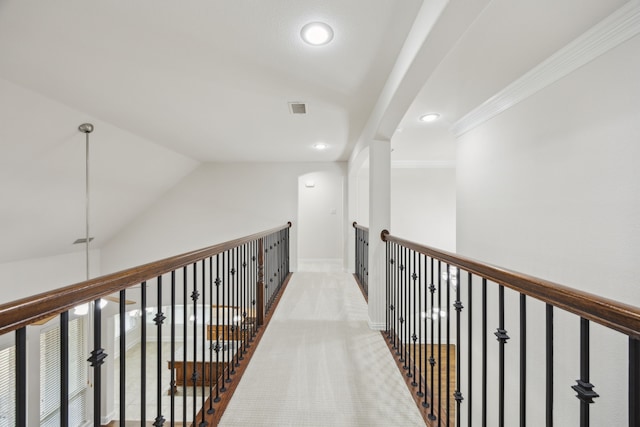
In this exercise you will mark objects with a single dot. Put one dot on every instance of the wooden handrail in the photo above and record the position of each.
(361, 227)
(22, 312)
(612, 314)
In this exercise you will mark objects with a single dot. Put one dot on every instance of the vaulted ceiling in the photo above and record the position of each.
(170, 85)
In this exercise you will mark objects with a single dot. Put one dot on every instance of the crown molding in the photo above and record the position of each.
(615, 29)
(418, 164)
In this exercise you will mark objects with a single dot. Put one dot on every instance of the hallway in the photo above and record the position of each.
(319, 364)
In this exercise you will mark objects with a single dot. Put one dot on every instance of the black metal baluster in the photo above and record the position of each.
(458, 306)
(143, 352)
(387, 287)
(222, 331)
(206, 367)
(549, 380)
(403, 306)
(448, 373)
(407, 311)
(227, 327)
(432, 360)
(414, 336)
(237, 315)
(425, 403)
(523, 360)
(21, 377)
(502, 338)
(64, 368)
(195, 295)
(216, 331)
(159, 320)
(232, 307)
(484, 352)
(209, 327)
(421, 309)
(439, 317)
(123, 358)
(172, 381)
(97, 359)
(584, 388)
(185, 344)
(245, 306)
(634, 381)
(394, 295)
(470, 349)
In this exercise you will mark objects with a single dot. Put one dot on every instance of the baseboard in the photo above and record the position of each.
(376, 326)
(106, 419)
(324, 265)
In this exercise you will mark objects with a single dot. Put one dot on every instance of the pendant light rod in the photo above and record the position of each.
(86, 128)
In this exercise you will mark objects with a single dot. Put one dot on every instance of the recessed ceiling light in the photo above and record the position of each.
(316, 33)
(320, 146)
(431, 117)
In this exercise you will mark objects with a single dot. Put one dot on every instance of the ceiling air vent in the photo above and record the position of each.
(82, 240)
(298, 108)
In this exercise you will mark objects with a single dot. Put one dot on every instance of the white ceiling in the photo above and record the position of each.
(172, 84)
(210, 79)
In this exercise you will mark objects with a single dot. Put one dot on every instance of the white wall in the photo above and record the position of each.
(321, 220)
(551, 187)
(25, 278)
(215, 203)
(423, 206)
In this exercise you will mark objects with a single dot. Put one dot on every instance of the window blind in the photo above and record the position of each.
(50, 375)
(8, 387)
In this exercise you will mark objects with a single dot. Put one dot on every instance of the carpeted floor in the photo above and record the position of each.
(319, 364)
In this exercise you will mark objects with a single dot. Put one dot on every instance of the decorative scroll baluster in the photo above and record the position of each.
(458, 306)
(97, 359)
(502, 338)
(439, 363)
(418, 314)
(216, 330)
(205, 371)
(432, 360)
(584, 388)
(195, 375)
(414, 315)
(185, 323)
(159, 320)
(209, 327)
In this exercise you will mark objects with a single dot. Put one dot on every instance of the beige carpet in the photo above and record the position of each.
(319, 364)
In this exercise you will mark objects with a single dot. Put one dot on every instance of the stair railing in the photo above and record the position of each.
(424, 286)
(218, 298)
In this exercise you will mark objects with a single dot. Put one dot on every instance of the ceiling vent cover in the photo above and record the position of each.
(298, 108)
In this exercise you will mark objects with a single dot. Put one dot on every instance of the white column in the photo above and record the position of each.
(379, 219)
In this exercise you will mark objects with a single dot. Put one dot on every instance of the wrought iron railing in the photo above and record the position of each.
(215, 301)
(362, 257)
(424, 286)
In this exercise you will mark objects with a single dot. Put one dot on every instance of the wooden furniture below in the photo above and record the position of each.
(205, 371)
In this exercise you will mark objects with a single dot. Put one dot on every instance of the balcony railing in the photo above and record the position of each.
(446, 327)
(200, 313)
(362, 258)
